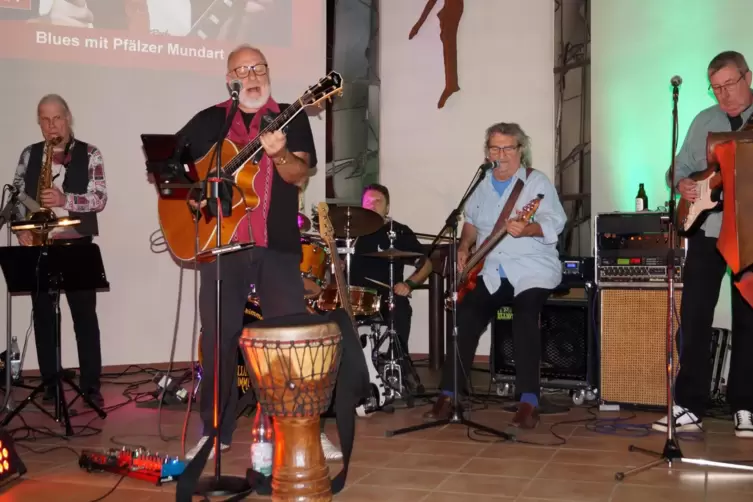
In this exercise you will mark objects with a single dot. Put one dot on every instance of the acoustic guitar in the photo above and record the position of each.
(183, 227)
(469, 277)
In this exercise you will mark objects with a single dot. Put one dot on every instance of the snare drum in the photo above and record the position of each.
(365, 301)
(314, 261)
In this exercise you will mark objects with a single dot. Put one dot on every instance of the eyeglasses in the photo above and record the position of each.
(726, 87)
(496, 150)
(243, 71)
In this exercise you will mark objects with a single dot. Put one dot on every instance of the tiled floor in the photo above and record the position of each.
(439, 465)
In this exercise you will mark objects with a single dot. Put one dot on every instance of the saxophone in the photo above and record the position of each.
(44, 215)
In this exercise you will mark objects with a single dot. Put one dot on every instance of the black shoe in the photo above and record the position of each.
(49, 394)
(96, 397)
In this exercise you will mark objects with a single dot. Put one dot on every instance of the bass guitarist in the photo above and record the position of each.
(521, 270)
(273, 264)
(729, 79)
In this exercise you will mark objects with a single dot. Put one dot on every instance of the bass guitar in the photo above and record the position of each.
(184, 227)
(469, 276)
(378, 390)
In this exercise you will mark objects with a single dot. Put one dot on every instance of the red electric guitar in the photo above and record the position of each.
(469, 277)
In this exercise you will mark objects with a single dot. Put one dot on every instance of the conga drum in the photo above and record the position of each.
(293, 363)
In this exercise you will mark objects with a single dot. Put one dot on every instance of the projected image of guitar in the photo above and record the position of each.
(469, 276)
(181, 225)
(378, 397)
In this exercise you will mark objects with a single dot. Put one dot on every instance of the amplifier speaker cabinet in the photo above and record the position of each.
(566, 341)
(633, 345)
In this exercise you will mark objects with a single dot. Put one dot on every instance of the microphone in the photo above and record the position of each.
(489, 165)
(676, 81)
(235, 87)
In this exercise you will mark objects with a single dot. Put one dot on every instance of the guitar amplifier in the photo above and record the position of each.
(631, 250)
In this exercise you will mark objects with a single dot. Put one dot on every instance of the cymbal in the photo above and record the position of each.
(355, 219)
(304, 223)
(393, 253)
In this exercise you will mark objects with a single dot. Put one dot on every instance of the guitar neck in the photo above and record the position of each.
(254, 147)
(342, 289)
(484, 249)
(210, 22)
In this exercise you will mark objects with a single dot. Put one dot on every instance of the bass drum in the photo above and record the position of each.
(246, 397)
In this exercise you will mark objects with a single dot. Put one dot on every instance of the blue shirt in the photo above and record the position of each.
(528, 262)
(692, 155)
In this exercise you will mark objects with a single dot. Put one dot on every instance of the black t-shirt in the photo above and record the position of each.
(379, 268)
(202, 132)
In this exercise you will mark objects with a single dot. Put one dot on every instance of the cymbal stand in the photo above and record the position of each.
(392, 365)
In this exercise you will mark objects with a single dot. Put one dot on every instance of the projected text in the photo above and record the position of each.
(132, 45)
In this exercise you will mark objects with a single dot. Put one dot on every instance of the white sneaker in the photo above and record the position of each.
(744, 424)
(685, 421)
(331, 452)
(190, 454)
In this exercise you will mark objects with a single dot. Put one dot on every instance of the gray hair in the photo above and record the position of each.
(728, 58)
(514, 130)
(54, 98)
(243, 48)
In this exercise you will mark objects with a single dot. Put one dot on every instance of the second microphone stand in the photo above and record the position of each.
(671, 452)
(456, 417)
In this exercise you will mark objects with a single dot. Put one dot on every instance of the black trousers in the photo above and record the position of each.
(474, 314)
(83, 305)
(704, 271)
(278, 283)
(402, 314)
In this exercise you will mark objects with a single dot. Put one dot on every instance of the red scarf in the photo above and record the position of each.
(262, 184)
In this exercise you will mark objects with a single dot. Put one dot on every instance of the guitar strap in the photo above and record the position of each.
(507, 209)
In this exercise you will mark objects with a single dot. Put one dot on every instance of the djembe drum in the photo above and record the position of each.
(293, 363)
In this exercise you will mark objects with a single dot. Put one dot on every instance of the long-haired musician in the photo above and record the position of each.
(729, 80)
(273, 264)
(78, 190)
(521, 270)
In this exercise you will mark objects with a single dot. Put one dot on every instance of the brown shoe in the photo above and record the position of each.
(441, 410)
(527, 416)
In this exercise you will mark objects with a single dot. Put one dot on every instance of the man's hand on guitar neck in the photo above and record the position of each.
(688, 189)
(462, 259)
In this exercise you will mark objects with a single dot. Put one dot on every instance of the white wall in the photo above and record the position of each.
(428, 155)
(111, 107)
(631, 96)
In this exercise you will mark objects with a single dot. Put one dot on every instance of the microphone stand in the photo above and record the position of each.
(672, 452)
(5, 216)
(218, 485)
(457, 412)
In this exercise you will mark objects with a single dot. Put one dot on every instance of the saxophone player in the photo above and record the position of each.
(66, 176)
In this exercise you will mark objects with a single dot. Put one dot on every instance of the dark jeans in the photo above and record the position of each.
(474, 314)
(704, 271)
(278, 283)
(402, 314)
(83, 305)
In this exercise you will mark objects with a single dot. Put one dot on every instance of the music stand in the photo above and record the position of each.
(169, 162)
(53, 269)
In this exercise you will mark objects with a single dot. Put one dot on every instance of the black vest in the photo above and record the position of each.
(76, 180)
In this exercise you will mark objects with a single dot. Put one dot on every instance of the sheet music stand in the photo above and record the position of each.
(54, 269)
(169, 162)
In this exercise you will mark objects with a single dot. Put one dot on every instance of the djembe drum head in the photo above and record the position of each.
(293, 363)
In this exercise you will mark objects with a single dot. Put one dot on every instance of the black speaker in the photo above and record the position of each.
(566, 341)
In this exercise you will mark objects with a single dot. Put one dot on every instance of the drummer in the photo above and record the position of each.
(377, 198)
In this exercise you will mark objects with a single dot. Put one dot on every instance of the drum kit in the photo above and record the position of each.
(385, 370)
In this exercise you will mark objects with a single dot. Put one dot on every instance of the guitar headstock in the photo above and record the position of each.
(325, 226)
(324, 89)
(529, 209)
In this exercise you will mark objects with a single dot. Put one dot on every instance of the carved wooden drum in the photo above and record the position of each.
(293, 369)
